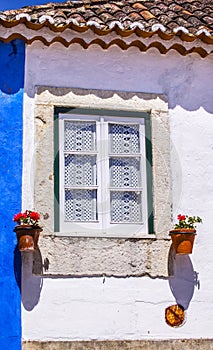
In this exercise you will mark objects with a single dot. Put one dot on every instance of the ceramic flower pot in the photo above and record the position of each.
(183, 240)
(27, 236)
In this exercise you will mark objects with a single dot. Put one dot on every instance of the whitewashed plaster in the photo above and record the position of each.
(130, 308)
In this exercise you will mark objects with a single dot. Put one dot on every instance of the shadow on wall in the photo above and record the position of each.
(17, 266)
(12, 55)
(185, 80)
(31, 285)
(183, 278)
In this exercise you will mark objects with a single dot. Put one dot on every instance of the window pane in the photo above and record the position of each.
(80, 170)
(79, 136)
(80, 205)
(126, 207)
(124, 138)
(125, 172)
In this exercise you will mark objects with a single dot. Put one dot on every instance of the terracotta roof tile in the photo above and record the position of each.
(157, 11)
(174, 7)
(147, 15)
(139, 6)
(208, 20)
(127, 9)
(134, 16)
(188, 13)
(77, 17)
(112, 8)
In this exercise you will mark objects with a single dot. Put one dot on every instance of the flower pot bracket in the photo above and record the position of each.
(27, 237)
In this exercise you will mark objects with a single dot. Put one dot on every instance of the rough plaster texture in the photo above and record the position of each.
(99, 257)
(72, 256)
(187, 344)
(64, 308)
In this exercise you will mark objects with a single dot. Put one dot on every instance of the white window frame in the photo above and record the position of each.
(103, 227)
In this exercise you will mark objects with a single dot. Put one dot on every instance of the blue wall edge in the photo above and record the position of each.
(12, 62)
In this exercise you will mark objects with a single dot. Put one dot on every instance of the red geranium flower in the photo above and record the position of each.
(17, 217)
(181, 217)
(28, 217)
(34, 215)
(185, 221)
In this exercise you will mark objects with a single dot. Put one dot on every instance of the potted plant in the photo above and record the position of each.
(27, 230)
(184, 232)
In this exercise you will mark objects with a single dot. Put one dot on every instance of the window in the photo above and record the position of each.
(80, 240)
(102, 187)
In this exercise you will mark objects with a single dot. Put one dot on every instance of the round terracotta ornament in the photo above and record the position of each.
(175, 316)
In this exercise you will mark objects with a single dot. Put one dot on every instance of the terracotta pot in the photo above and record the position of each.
(27, 236)
(183, 240)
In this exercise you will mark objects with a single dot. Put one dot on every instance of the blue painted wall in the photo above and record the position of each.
(12, 59)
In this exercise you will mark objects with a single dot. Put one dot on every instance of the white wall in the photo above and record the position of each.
(131, 308)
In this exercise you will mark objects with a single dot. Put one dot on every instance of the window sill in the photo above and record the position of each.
(103, 234)
(96, 257)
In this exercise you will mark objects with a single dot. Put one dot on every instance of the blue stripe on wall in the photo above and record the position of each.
(12, 60)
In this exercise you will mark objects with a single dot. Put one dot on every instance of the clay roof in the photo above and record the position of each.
(191, 16)
(188, 20)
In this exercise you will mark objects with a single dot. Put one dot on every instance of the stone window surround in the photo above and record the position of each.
(126, 257)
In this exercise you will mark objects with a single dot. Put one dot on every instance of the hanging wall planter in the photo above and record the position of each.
(27, 237)
(183, 240)
(184, 233)
(28, 230)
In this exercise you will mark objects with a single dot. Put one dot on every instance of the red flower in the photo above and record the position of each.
(17, 217)
(181, 217)
(28, 217)
(34, 215)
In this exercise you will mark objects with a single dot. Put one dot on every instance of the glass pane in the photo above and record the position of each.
(79, 136)
(124, 138)
(126, 207)
(124, 172)
(80, 170)
(80, 205)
